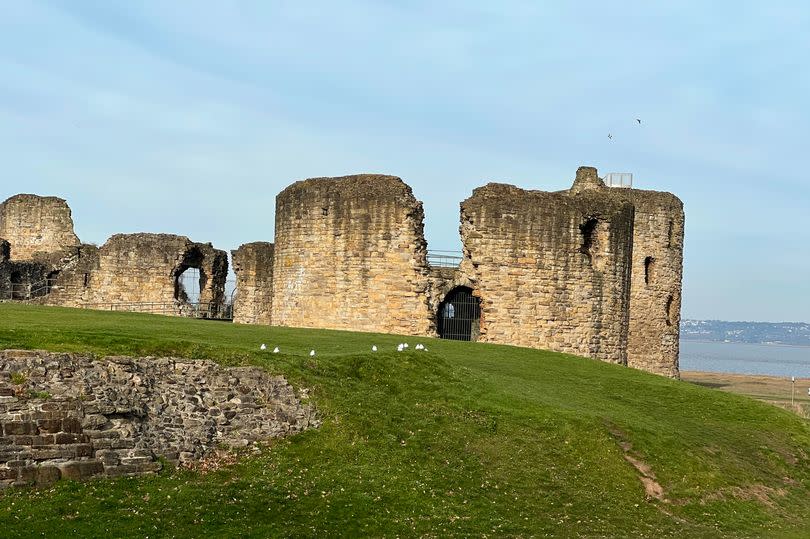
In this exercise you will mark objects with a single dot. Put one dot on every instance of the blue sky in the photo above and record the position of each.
(189, 117)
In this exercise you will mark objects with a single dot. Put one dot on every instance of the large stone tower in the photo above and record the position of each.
(552, 269)
(350, 254)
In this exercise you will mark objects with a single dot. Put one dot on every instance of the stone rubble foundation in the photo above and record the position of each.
(72, 416)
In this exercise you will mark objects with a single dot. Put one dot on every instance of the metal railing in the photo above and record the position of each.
(619, 179)
(204, 310)
(444, 259)
(27, 291)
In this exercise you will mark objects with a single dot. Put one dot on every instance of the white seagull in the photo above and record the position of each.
(275, 350)
(311, 353)
(263, 347)
(400, 348)
(374, 348)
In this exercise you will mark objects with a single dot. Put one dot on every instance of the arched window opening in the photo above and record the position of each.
(588, 230)
(188, 285)
(459, 316)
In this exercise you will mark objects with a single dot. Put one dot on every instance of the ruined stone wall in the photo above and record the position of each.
(34, 224)
(70, 286)
(350, 254)
(144, 268)
(20, 279)
(552, 269)
(253, 266)
(70, 416)
(655, 294)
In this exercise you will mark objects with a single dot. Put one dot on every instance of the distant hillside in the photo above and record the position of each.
(795, 333)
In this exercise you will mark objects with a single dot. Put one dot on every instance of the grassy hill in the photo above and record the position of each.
(465, 439)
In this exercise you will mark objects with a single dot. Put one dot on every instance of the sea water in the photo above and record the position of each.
(771, 359)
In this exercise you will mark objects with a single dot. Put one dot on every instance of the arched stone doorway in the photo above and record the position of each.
(459, 315)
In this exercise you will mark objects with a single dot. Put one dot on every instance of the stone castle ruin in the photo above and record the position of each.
(593, 270)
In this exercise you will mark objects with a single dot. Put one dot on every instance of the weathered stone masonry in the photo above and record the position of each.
(350, 253)
(552, 269)
(35, 224)
(253, 266)
(70, 416)
(655, 293)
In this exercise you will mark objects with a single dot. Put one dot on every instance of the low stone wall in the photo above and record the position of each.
(70, 416)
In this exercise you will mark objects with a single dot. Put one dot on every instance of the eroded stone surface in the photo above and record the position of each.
(140, 268)
(35, 224)
(350, 254)
(67, 415)
(552, 269)
(655, 293)
(253, 265)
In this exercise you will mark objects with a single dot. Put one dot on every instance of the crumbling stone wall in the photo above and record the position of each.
(34, 224)
(70, 285)
(69, 416)
(350, 254)
(655, 294)
(129, 268)
(552, 269)
(253, 266)
(135, 268)
(21, 279)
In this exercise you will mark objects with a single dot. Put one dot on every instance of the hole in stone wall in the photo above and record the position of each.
(86, 281)
(459, 315)
(668, 309)
(18, 290)
(50, 281)
(649, 266)
(324, 211)
(588, 230)
(188, 285)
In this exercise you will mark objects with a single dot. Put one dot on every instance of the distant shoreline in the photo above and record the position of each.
(752, 343)
(691, 376)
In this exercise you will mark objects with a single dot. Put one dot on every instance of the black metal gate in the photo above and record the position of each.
(459, 315)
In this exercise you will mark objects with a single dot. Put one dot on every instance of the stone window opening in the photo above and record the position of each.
(459, 315)
(324, 211)
(588, 228)
(593, 241)
(188, 285)
(190, 279)
(50, 281)
(668, 309)
(649, 267)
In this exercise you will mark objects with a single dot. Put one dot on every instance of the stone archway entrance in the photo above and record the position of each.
(459, 315)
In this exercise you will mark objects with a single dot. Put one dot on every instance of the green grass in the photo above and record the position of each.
(463, 440)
